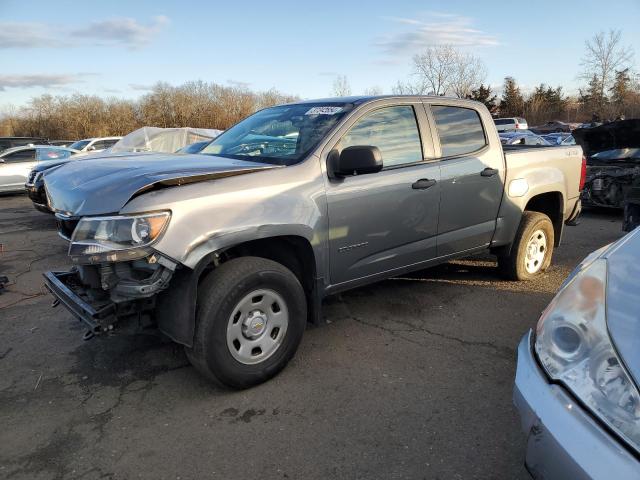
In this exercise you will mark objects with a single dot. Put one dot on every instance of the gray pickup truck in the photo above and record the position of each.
(230, 252)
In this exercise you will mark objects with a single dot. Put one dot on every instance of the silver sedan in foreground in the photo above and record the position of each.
(576, 386)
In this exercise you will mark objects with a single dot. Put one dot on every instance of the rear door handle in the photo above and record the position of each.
(489, 172)
(423, 184)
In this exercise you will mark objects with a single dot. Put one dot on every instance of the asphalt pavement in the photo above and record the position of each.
(410, 378)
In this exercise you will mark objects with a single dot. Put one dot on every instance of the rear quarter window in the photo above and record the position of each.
(459, 129)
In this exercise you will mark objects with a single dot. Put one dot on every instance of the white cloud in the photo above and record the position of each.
(441, 28)
(29, 81)
(26, 35)
(126, 32)
(122, 31)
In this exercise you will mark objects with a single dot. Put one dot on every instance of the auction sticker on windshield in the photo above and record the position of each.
(323, 111)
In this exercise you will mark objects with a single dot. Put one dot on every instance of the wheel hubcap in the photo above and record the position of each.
(257, 326)
(536, 251)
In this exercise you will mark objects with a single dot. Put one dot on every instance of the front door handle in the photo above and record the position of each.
(489, 172)
(423, 184)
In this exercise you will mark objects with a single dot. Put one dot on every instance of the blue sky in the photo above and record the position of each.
(122, 47)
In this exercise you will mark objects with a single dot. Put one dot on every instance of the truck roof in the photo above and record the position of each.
(360, 99)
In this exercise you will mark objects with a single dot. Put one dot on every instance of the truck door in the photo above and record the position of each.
(472, 180)
(385, 220)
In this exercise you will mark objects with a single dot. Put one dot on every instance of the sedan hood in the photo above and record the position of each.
(623, 299)
(47, 164)
(102, 185)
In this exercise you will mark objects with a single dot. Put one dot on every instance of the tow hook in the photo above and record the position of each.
(88, 335)
(55, 303)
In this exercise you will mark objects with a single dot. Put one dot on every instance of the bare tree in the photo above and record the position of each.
(434, 68)
(373, 91)
(341, 87)
(408, 88)
(469, 72)
(444, 69)
(193, 104)
(604, 55)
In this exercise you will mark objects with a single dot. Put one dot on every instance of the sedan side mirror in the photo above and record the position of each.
(355, 160)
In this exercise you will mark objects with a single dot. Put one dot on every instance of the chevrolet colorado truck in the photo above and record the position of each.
(230, 252)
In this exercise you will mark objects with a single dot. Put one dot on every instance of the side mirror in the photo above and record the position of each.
(91, 148)
(356, 160)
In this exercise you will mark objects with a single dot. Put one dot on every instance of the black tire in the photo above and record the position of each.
(513, 266)
(218, 296)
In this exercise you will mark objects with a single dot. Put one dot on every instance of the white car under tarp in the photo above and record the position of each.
(164, 140)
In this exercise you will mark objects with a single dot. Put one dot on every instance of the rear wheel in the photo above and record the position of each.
(250, 320)
(532, 249)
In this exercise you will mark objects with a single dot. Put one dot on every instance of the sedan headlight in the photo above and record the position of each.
(116, 238)
(574, 347)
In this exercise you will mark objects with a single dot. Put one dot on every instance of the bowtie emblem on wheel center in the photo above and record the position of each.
(255, 324)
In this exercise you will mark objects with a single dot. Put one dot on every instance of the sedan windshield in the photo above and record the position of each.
(79, 145)
(281, 135)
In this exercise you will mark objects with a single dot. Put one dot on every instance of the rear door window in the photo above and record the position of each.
(460, 130)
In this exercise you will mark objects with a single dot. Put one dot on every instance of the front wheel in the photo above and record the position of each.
(250, 320)
(532, 248)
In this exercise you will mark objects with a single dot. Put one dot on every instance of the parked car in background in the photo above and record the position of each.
(562, 138)
(512, 123)
(522, 138)
(577, 374)
(551, 127)
(17, 162)
(292, 204)
(194, 147)
(94, 144)
(10, 142)
(62, 143)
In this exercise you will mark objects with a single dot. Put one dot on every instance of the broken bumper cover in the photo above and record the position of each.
(61, 285)
(563, 440)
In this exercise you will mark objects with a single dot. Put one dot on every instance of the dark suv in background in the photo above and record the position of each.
(10, 142)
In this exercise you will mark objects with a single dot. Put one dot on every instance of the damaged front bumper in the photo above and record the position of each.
(104, 296)
(608, 186)
(64, 286)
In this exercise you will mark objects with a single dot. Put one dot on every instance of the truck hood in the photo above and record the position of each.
(103, 185)
(623, 299)
(623, 134)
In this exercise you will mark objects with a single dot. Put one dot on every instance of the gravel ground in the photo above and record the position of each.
(410, 378)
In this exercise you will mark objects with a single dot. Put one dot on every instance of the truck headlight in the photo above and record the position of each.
(116, 238)
(575, 349)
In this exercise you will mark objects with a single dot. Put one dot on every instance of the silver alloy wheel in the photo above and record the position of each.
(536, 251)
(257, 326)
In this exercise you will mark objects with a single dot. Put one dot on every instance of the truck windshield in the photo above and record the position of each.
(281, 135)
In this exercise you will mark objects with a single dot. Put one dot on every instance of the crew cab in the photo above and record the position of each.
(230, 252)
